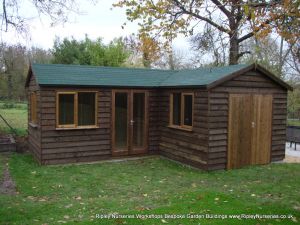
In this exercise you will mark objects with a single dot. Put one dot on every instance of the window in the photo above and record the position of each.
(33, 108)
(181, 110)
(76, 109)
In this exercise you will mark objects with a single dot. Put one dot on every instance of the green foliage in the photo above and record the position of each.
(16, 115)
(294, 103)
(294, 122)
(74, 194)
(89, 52)
(14, 66)
(11, 105)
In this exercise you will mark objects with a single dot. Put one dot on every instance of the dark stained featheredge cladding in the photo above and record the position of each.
(200, 117)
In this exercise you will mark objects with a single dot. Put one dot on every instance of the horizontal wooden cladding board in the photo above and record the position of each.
(214, 161)
(72, 138)
(278, 127)
(218, 137)
(36, 141)
(277, 153)
(75, 154)
(248, 90)
(217, 155)
(182, 146)
(253, 78)
(195, 155)
(75, 144)
(277, 158)
(218, 125)
(75, 160)
(187, 161)
(76, 132)
(188, 136)
(280, 146)
(35, 150)
(262, 84)
(218, 113)
(279, 137)
(76, 149)
(219, 166)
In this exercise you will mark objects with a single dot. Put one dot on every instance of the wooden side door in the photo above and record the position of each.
(261, 129)
(249, 130)
(239, 131)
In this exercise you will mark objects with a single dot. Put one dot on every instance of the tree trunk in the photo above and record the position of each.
(233, 49)
(9, 86)
(171, 61)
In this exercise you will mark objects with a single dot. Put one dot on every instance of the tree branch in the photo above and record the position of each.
(222, 8)
(244, 53)
(245, 37)
(189, 12)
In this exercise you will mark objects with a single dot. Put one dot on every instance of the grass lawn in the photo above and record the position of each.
(76, 193)
(16, 117)
(294, 122)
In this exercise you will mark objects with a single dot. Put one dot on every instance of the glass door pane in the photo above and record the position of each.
(121, 118)
(138, 120)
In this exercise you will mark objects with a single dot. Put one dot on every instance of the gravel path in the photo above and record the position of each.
(292, 155)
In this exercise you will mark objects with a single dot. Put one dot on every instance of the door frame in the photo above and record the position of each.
(129, 150)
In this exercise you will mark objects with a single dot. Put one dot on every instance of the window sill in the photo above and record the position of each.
(33, 125)
(77, 128)
(181, 128)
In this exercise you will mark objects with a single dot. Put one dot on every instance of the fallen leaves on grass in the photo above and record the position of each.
(77, 197)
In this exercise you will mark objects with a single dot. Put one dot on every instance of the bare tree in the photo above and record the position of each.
(57, 10)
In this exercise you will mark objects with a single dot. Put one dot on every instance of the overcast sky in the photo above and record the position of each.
(96, 20)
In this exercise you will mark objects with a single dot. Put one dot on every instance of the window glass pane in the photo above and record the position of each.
(66, 109)
(176, 108)
(138, 119)
(86, 108)
(188, 110)
(121, 119)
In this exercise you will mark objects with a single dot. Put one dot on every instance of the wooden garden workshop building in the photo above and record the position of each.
(211, 118)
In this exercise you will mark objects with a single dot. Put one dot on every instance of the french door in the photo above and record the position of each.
(129, 122)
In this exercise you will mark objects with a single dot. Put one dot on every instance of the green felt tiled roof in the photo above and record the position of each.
(66, 75)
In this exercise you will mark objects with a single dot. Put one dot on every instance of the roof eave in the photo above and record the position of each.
(273, 77)
(123, 86)
(28, 77)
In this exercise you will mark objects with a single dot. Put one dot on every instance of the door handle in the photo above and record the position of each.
(131, 122)
(253, 124)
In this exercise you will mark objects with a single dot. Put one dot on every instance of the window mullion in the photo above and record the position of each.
(182, 110)
(76, 109)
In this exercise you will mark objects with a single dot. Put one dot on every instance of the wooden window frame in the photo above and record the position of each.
(182, 126)
(75, 125)
(33, 108)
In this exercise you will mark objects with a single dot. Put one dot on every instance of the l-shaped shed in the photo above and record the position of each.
(211, 118)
